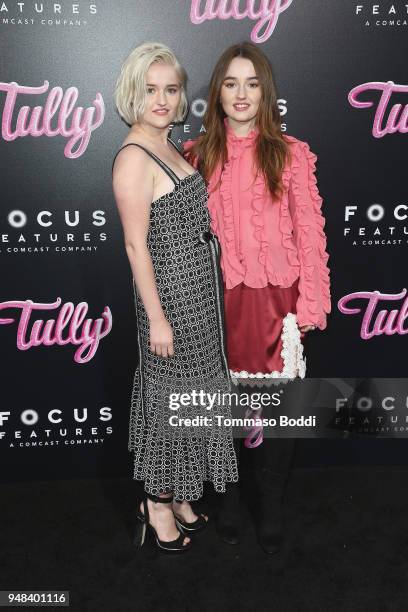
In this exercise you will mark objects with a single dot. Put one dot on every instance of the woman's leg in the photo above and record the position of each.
(162, 519)
(184, 510)
(268, 466)
(229, 512)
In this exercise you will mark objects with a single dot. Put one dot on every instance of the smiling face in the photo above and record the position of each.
(241, 93)
(163, 94)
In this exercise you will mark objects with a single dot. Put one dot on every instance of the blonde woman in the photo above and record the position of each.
(162, 203)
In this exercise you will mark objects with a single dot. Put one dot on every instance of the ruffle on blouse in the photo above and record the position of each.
(314, 300)
(286, 224)
(258, 204)
(235, 145)
(259, 201)
(241, 141)
(306, 255)
(266, 272)
(236, 266)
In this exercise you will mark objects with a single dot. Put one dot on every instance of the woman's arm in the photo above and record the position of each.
(133, 181)
(305, 203)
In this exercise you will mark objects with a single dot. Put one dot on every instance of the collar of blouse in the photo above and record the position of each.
(239, 141)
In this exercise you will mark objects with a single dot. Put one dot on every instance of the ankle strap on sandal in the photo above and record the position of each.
(160, 500)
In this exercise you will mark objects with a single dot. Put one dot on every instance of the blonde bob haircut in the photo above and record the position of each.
(130, 91)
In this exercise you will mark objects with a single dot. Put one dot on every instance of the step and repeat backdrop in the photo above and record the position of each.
(67, 324)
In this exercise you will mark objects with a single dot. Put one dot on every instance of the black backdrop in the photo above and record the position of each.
(320, 50)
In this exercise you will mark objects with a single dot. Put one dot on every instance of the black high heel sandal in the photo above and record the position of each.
(190, 528)
(174, 546)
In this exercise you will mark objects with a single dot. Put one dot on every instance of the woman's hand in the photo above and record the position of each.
(306, 328)
(161, 338)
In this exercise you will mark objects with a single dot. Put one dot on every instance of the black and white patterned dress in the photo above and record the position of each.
(185, 258)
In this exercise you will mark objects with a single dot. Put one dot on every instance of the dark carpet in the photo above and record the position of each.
(346, 548)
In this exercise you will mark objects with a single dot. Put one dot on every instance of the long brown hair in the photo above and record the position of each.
(271, 148)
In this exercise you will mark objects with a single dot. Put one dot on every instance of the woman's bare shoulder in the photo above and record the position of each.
(132, 157)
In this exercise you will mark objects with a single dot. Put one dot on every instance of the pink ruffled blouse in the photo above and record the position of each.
(271, 241)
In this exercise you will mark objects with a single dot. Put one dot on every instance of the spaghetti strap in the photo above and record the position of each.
(175, 146)
(161, 163)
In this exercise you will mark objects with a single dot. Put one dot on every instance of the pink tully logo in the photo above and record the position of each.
(38, 120)
(388, 118)
(388, 322)
(81, 332)
(265, 12)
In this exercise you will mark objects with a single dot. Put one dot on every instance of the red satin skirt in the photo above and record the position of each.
(254, 325)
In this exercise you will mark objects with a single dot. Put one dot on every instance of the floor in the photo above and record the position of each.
(346, 548)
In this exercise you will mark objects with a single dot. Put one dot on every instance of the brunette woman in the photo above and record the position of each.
(265, 209)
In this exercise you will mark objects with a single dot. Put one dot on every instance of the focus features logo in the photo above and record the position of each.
(198, 108)
(365, 404)
(391, 14)
(55, 428)
(376, 225)
(64, 14)
(74, 233)
(366, 414)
